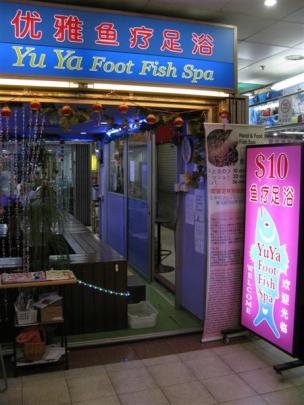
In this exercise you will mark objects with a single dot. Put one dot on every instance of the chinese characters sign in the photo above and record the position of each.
(65, 42)
(271, 242)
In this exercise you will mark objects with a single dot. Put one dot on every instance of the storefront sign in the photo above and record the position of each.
(47, 41)
(225, 146)
(271, 242)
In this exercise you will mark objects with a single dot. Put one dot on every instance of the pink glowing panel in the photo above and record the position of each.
(271, 242)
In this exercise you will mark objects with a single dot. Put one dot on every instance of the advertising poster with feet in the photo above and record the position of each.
(225, 149)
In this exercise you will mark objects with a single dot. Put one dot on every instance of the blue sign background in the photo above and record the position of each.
(221, 61)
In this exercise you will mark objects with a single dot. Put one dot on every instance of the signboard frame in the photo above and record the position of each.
(131, 80)
(298, 321)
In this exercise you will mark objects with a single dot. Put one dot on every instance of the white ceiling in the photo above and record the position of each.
(265, 35)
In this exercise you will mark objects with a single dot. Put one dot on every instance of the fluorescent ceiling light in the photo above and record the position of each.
(270, 3)
(157, 89)
(288, 82)
(37, 83)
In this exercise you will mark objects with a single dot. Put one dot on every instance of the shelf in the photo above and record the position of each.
(60, 357)
(59, 321)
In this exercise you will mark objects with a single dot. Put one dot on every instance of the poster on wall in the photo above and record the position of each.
(225, 147)
(273, 192)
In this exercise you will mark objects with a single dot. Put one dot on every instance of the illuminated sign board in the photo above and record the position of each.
(272, 299)
(47, 41)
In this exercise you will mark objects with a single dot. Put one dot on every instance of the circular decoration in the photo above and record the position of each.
(6, 111)
(178, 122)
(187, 149)
(123, 108)
(151, 119)
(66, 110)
(35, 105)
(97, 107)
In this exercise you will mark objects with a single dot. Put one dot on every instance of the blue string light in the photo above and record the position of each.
(104, 290)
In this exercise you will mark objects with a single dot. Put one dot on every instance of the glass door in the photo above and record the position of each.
(139, 213)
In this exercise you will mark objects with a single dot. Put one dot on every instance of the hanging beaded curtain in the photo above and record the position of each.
(21, 130)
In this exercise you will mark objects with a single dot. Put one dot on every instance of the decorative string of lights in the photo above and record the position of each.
(104, 290)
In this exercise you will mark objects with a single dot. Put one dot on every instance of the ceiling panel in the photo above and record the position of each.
(242, 63)
(198, 4)
(256, 52)
(297, 17)
(282, 34)
(246, 25)
(257, 8)
(275, 68)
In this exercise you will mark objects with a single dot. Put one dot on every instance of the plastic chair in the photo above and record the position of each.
(3, 369)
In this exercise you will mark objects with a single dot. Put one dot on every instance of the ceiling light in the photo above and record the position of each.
(288, 82)
(158, 89)
(275, 134)
(294, 57)
(270, 3)
(83, 133)
(37, 83)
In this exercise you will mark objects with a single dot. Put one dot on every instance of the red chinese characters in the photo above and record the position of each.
(107, 34)
(143, 33)
(203, 44)
(273, 195)
(68, 28)
(171, 41)
(26, 24)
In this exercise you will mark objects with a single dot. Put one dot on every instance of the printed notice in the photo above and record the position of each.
(189, 209)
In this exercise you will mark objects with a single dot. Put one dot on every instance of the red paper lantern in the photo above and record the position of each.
(224, 114)
(66, 110)
(6, 111)
(35, 105)
(151, 119)
(178, 122)
(123, 108)
(97, 107)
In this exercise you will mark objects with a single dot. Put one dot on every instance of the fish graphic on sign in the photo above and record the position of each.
(270, 261)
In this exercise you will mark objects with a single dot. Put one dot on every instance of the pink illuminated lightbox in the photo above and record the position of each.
(272, 299)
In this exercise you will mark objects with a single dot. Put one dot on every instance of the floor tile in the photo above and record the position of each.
(170, 374)
(55, 393)
(114, 354)
(42, 377)
(208, 368)
(153, 348)
(90, 387)
(133, 380)
(243, 361)
(229, 349)
(154, 361)
(85, 372)
(265, 380)
(126, 365)
(227, 388)
(111, 400)
(256, 400)
(291, 396)
(181, 344)
(193, 393)
(296, 376)
(197, 354)
(147, 397)
(13, 395)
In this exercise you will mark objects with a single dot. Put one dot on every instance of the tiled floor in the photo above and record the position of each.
(177, 371)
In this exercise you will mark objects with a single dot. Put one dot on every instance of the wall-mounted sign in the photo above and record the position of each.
(43, 40)
(272, 302)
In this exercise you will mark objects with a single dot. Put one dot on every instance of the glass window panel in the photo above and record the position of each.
(116, 171)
